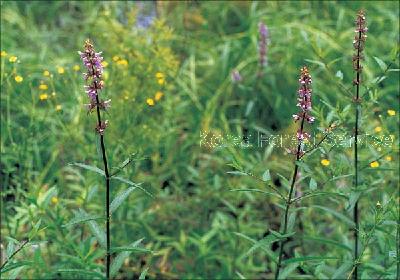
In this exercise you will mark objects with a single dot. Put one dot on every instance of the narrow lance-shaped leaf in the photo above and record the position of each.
(120, 198)
(88, 167)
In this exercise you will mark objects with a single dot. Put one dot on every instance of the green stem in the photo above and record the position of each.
(288, 202)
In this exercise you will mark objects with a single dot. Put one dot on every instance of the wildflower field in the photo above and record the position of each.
(200, 140)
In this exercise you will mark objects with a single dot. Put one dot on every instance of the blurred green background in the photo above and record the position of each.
(168, 72)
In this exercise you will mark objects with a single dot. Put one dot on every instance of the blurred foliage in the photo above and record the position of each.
(181, 56)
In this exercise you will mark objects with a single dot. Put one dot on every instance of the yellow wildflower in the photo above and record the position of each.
(43, 96)
(161, 81)
(104, 64)
(388, 158)
(46, 73)
(116, 58)
(378, 129)
(60, 70)
(150, 101)
(126, 97)
(3, 53)
(391, 112)
(159, 75)
(58, 107)
(158, 95)
(13, 59)
(43, 87)
(53, 93)
(374, 164)
(54, 200)
(123, 62)
(18, 79)
(76, 68)
(325, 162)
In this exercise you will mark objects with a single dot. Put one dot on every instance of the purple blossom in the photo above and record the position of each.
(262, 44)
(359, 45)
(235, 76)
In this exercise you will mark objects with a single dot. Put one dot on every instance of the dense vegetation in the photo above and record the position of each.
(204, 137)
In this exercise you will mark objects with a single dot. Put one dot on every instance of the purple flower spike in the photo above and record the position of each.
(304, 103)
(94, 84)
(262, 44)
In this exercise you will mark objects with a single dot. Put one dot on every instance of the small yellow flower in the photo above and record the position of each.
(13, 59)
(126, 97)
(388, 158)
(378, 129)
(158, 95)
(54, 200)
(116, 58)
(18, 79)
(104, 64)
(159, 75)
(43, 87)
(3, 53)
(60, 70)
(391, 112)
(46, 73)
(374, 164)
(76, 68)
(43, 96)
(325, 162)
(161, 81)
(53, 93)
(58, 107)
(150, 101)
(123, 62)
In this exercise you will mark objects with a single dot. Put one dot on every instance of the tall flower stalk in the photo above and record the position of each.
(359, 44)
(94, 84)
(304, 103)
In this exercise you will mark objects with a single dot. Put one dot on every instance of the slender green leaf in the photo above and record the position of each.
(89, 273)
(381, 64)
(131, 184)
(143, 274)
(328, 242)
(81, 219)
(120, 198)
(266, 176)
(120, 258)
(335, 213)
(255, 190)
(239, 173)
(11, 266)
(308, 258)
(88, 167)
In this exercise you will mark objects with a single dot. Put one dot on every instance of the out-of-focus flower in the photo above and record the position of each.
(160, 75)
(18, 79)
(374, 164)
(53, 93)
(263, 35)
(13, 59)
(76, 68)
(102, 127)
(104, 64)
(378, 205)
(325, 162)
(235, 76)
(46, 73)
(158, 95)
(146, 15)
(54, 200)
(161, 81)
(58, 107)
(388, 158)
(378, 129)
(3, 53)
(60, 70)
(43, 96)
(150, 101)
(122, 62)
(115, 58)
(391, 112)
(43, 87)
